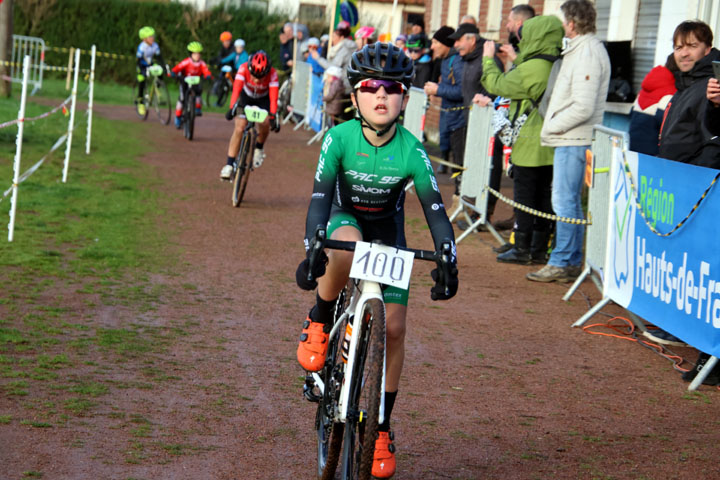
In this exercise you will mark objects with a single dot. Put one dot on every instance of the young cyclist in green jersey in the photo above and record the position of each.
(359, 193)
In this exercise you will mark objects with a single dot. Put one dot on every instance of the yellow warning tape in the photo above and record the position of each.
(538, 213)
(115, 56)
(50, 68)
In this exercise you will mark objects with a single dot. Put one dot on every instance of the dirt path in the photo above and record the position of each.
(496, 385)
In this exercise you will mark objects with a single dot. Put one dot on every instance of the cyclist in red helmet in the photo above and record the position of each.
(256, 83)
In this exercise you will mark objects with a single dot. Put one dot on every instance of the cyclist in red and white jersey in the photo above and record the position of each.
(256, 83)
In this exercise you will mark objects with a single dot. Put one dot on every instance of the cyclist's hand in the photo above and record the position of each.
(303, 269)
(230, 114)
(173, 74)
(209, 77)
(444, 288)
(274, 124)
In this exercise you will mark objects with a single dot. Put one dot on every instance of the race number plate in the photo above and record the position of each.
(155, 70)
(255, 114)
(192, 80)
(382, 264)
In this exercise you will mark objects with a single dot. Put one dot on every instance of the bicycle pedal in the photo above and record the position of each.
(309, 390)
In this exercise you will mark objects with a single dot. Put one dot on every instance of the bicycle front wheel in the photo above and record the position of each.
(242, 171)
(361, 426)
(213, 93)
(190, 116)
(161, 102)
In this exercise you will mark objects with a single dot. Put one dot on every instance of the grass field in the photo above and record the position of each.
(89, 243)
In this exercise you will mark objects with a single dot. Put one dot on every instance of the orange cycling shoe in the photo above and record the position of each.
(384, 458)
(312, 349)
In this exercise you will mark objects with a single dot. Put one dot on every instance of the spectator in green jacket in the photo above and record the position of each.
(532, 163)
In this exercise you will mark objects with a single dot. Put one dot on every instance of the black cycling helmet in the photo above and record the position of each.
(381, 61)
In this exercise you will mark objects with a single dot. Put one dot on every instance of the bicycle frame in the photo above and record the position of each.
(362, 292)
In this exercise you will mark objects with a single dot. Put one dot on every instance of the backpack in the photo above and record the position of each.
(544, 101)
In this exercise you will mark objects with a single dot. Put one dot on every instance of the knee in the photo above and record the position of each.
(395, 331)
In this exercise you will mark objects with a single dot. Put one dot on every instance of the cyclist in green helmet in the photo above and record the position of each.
(191, 66)
(359, 194)
(146, 53)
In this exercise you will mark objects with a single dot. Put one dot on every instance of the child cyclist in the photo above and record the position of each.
(359, 194)
(146, 53)
(256, 83)
(191, 66)
(236, 58)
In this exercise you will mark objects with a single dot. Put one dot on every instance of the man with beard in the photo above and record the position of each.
(517, 16)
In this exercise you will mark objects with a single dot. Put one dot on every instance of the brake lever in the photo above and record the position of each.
(317, 245)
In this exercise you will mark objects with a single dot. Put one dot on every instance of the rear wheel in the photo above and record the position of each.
(242, 171)
(161, 102)
(361, 427)
(212, 97)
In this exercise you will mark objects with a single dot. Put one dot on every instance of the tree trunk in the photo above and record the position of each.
(6, 44)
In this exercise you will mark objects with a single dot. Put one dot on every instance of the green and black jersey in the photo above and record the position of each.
(370, 181)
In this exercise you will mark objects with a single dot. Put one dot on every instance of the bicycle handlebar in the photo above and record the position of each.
(442, 258)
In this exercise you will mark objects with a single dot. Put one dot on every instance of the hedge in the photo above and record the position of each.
(113, 26)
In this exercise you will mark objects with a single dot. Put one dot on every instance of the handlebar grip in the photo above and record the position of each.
(316, 246)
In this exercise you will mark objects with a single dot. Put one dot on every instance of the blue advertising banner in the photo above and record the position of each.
(315, 102)
(672, 281)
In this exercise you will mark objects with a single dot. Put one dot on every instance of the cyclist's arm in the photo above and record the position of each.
(324, 186)
(238, 84)
(229, 60)
(429, 195)
(140, 56)
(180, 67)
(273, 92)
(205, 70)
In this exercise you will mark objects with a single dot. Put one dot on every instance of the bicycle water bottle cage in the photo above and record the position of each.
(192, 80)
(255, 114)
(155, 70)
(226, 68)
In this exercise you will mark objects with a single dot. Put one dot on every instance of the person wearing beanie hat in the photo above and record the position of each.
(449, 89)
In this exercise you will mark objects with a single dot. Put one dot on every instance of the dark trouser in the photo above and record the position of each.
(457, 147)
(533, 188)
(495, 174)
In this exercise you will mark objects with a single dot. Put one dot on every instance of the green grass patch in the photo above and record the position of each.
(78, 406)
(5, 419)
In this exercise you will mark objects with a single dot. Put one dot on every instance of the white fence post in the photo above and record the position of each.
(18, 149)
(71, 125)
(90, 100)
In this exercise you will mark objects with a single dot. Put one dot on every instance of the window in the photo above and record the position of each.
(310, 13)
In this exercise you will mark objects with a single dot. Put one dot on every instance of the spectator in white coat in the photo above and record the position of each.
(577, 103)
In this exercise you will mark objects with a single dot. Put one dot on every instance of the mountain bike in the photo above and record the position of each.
(243, 162)
(350, 388)
(188, 106)
(218, 93)
(156, 95)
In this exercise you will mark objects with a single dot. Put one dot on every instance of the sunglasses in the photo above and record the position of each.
(372, 86)
(414, 50)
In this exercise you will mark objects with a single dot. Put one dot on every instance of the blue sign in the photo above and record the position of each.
(315, 102)
(671, 281)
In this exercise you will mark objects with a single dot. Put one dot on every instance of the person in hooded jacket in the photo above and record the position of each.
(417, 46)
(684, 133)
(343, 46)
(532, 163)
(648, 111)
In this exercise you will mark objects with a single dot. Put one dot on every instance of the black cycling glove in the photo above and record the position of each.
(444, 290)
(274, 124)
(303, 269)
(229, 114)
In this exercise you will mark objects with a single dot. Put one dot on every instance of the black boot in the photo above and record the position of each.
(520, 253)
(539, 247)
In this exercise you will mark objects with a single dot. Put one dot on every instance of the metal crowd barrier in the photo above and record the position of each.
(35, 48)
(605, 142)
(414, 119)
(476, 177)
(300, 94)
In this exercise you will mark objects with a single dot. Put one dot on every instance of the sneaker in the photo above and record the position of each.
(178, 123)
(550, 273)
(658, 335)
(226, 172)
(384, 457)
(141, 107)
(258, 157)
(574, 271)
(312, 349)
